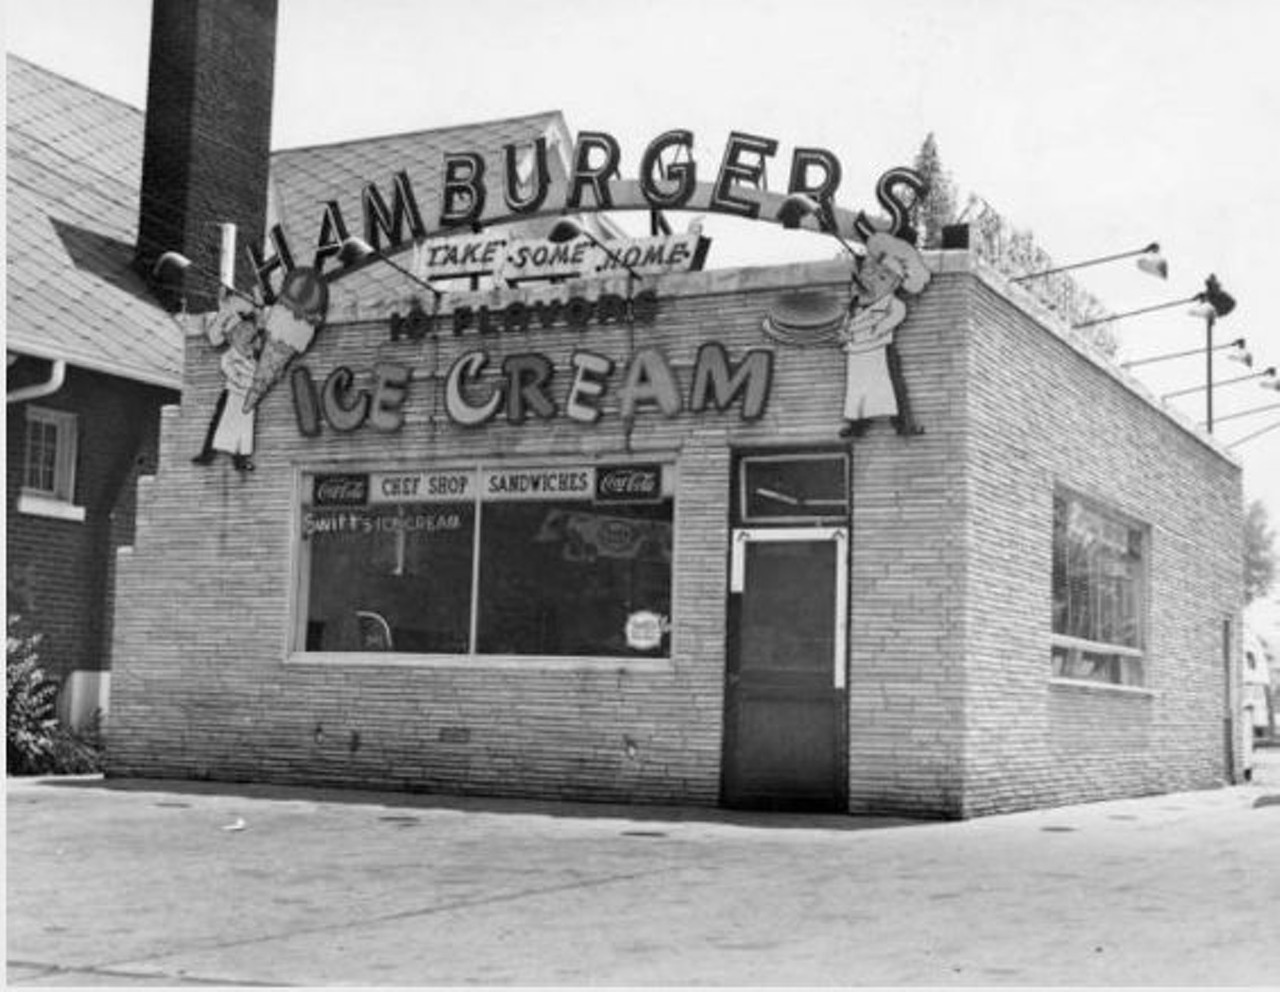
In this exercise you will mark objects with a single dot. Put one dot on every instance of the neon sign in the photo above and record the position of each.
(472, 198)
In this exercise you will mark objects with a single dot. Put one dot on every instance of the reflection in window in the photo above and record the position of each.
(1098, 579)
(567, 578)
(793, 487)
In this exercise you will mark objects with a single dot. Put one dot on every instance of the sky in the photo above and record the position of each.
(1098, 125)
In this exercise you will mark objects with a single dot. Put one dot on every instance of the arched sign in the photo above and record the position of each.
(474, 196)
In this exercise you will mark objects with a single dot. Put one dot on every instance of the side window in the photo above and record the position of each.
(1099, 594)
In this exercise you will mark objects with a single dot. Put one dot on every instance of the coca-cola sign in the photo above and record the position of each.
(628, 483)
(346, 489)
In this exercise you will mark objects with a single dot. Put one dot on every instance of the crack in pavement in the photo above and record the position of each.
(43, 970)
(403, 914)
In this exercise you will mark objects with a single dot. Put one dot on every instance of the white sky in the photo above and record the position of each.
(1100, 125)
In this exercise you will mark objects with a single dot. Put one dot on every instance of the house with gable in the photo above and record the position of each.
(97, 191)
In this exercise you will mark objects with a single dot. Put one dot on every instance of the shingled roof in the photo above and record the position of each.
(74, 162)
(74, 168)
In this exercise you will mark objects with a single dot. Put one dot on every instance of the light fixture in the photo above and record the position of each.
(1214, 302)
(566, 229)
(1258, 433)
(1246, 413)
(1237, 343)
(797, 206)
(178, 262)
(356, 250)
(1150, 261)
(1268, 373)
(1244, 357)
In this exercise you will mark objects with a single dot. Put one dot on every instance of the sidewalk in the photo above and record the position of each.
(136, 883)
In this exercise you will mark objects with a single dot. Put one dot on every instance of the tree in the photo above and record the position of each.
(938, 206)
(1259, 552)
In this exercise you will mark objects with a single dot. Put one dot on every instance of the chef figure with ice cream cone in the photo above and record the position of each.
(260, 345)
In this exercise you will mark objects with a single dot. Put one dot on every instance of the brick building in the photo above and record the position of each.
(633, 556)
(91, 359)
(480, 496)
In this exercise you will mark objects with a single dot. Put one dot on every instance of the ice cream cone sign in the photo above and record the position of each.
(290, 325)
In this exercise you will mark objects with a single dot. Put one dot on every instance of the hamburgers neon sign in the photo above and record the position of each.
(524, 181)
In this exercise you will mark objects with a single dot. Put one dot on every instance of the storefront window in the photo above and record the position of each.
(561, 561)
(1098, 595)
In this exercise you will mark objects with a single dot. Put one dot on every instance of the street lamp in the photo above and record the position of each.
(1212, 303)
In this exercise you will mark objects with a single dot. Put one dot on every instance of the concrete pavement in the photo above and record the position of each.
(166, 883)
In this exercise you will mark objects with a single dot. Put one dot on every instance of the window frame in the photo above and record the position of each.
(58, 501)
(1126, 658)
(295, 652)
(746, 459)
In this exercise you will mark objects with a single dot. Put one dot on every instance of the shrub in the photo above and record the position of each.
(37, 744)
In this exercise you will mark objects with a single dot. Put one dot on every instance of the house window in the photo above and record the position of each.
(49, 464)
(548, 561)
(1099, 587)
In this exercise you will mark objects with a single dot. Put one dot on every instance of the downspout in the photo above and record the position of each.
(39, 390)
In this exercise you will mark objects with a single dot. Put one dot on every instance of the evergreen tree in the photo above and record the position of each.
(1259, 552)
(938, 206)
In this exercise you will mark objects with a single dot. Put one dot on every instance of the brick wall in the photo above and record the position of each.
(206, 149)
(59, 572)
(950, 710)
(1042, 415)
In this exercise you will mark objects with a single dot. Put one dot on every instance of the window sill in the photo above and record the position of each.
(1102, 688)
(478, 663)
(36, 505)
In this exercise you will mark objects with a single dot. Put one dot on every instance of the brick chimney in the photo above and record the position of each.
(207, 139)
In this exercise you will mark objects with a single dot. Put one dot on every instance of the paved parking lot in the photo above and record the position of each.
(136, 883)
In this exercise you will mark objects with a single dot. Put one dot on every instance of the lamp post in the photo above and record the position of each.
(1213, 303)
(1216, 303)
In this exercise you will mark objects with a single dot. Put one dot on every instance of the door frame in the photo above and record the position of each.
(742, 536)
(739, 539)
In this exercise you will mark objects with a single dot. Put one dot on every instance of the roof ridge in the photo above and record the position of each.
(471, 126)
(13, 57)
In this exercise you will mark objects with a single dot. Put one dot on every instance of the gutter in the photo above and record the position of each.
(39, 390)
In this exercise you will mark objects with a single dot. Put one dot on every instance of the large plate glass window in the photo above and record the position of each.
(560, 561)
(1099, 594)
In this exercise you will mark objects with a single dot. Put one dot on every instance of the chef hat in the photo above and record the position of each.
(915, 274)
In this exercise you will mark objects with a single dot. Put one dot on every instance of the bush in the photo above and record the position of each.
(37, 744)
